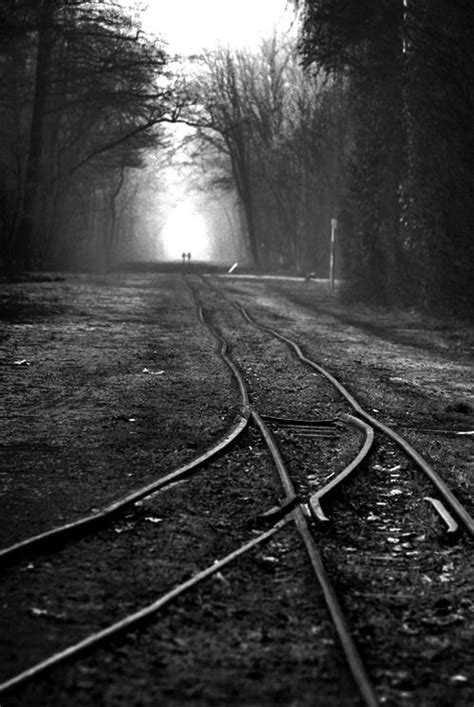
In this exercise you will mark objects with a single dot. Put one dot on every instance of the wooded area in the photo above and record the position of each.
(80, 96)
(278, 130)
(363, 113)
(406, 198)
(368, 120)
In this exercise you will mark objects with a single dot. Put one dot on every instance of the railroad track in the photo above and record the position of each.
(301, 504)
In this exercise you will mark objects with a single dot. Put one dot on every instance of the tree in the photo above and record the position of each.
(276, 127)
(360, 44)
(221, 121)
(94, 96)
(437, 199)
(409, 69)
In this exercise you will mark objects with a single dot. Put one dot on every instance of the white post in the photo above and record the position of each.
(332, 252)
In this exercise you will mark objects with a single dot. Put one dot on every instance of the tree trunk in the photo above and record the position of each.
(24, 241)
(112, 232)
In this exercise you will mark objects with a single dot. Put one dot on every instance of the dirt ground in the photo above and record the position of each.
(109, 382)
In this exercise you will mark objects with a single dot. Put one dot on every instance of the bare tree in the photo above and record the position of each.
(93, 100)
(276, 126)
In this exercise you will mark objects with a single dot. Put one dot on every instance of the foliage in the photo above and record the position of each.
(407, 200)
(276, 133)
(80, 94)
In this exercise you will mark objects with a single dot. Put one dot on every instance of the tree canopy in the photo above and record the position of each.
(366, 118)
(82, 92)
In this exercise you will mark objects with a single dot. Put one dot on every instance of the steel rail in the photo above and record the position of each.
(288, 510)
(93, 640)
(449, 498)
(75, 529)
(63, 533)
(451, 525)
(350, 650)
(287, 483)
(223, 351)
(315, 499)
(290, 422)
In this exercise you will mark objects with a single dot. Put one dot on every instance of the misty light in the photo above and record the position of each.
(185, 231)
(190, 26)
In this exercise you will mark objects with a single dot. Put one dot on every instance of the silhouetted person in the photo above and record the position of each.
(189, 258)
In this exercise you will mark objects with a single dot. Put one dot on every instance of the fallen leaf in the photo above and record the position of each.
(30, 566)
(34, 611)
(372, 516)
(220, 577)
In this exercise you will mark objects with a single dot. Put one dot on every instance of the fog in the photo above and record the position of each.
(174, 205)
(170, 214)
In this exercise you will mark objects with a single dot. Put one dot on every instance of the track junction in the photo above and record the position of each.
(319, 503)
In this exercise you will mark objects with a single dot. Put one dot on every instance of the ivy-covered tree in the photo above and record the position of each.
(438, 192)
(407, 201)
(360, 43)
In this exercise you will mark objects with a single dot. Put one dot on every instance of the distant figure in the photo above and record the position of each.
(189, 258)
(183, 255)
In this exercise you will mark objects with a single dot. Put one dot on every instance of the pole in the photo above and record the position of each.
(332, 252)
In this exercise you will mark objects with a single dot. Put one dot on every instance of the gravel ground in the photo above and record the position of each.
(111, 382)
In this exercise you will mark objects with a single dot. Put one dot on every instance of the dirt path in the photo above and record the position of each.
(110, 382)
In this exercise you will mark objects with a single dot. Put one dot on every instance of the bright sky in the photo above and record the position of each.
(191, 25)
(185, 231)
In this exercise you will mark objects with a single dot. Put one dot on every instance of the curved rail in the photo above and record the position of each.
(230, 363)
(75, 529)
(315, 499)
(449, 498)
(134, 619)
(289, 509)
(64, 533)
(286, 509)
(350, 650)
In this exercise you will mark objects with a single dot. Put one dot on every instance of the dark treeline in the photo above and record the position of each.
(364, 116)
(406, 203)
(79, 97)
(368, 121)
